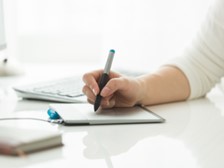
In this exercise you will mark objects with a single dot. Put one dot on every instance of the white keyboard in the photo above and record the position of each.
(60, 90)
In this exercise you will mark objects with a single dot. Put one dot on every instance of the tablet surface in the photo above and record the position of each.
(84, 114)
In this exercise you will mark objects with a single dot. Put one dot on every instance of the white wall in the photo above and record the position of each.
(144, 33)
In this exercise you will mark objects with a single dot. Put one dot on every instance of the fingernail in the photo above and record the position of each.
(94, 91)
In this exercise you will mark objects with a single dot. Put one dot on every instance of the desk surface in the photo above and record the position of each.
(191, 137)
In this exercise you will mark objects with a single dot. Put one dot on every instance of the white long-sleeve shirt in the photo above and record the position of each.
(203, 61)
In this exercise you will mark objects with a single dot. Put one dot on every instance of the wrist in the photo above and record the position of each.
(142, 91)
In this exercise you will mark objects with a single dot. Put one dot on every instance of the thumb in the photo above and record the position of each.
(112, 86)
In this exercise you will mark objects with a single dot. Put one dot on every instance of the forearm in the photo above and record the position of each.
(168, 84)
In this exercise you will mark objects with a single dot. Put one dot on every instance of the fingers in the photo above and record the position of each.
(89, 93)
(90, 79)
(113, 85)
(108, 102)
(91, 88)
(108, 92)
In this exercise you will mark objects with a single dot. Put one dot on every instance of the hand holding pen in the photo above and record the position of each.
(104, 78)
(119, 91)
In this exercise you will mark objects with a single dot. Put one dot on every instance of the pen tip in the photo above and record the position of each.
(112, 50)
(95, 108)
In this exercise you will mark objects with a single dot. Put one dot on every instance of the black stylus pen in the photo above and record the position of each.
(104, 78)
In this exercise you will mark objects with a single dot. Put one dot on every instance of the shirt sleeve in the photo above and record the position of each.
(203, 61)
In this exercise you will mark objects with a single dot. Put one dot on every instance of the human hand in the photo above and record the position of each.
(120, 91)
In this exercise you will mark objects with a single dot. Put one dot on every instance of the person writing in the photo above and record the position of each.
(189, 76)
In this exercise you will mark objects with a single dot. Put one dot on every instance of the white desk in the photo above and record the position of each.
(192, 137)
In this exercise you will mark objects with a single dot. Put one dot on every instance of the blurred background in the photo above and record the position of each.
(144, 33)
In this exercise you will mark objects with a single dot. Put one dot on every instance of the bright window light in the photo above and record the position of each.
(145, 33)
